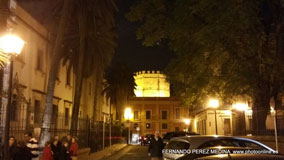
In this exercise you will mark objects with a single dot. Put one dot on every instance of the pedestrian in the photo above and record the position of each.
(74, 148)
(32, 145)
(12, 147)
(56, 149)
(155, 148)
(22, 151)
(58, 140)
(68, 139)
(65, 153)
(47, 153)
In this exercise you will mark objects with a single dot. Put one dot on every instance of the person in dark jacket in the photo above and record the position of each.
(56, 149)
(65, 153)
(155, 148)
(22, 152)
(12, 147)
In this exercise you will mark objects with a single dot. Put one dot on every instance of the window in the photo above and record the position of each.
(164, 114)
(148, 125)
(148, 114)
(39, 60)
(164, 126)
(66, 116)
(37, 111)
(177, 145)
(54, 114)
(135, 114)
(14, 108)
(232, 143)
(253, 145)
(68, 76)
(135, 125)
(177, 113)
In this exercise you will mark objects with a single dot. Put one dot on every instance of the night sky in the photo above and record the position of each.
(131, 50)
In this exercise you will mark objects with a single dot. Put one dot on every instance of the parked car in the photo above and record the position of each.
(204, 142)
(242, 157)
(169, 135)
(146, 139)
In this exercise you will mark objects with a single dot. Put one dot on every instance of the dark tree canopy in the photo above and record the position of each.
(224, 48)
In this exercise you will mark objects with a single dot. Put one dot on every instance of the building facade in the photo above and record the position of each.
(153, 109)
(30, 79)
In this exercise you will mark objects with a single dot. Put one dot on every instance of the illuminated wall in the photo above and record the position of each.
(151, 84)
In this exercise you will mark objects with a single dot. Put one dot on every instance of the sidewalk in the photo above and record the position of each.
(100, 155)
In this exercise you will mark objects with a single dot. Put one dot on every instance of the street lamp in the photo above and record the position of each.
(12, 46)
(214, 103)
(242, 107)
(128, 115)
(274, 114)
(187, 122)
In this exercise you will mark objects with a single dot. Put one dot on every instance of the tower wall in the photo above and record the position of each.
(151, 84)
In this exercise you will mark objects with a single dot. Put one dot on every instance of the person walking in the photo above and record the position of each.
(47, 153)
(32, 145)
(155, 148)
(74, 148)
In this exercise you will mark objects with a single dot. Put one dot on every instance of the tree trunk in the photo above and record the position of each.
(261, 108)
(55, 63)
(4, 13)
(98, 90)
(79, 73)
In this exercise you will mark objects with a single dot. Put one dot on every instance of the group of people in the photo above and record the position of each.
(28, 149)
(61, 150)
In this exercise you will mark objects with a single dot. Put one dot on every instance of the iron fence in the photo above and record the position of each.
(89, 132)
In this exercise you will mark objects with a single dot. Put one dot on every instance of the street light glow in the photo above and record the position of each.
(128, 113)
(187, 121)
(228, 112)
(214, 103)
(11, 44)
(240, 106)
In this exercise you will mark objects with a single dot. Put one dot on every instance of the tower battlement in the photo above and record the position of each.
(151, 83)
(148, 72)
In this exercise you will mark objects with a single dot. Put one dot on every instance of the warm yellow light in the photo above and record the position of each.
(214, 103)
(187, 121)
(228, 112)
(272, 110)
(249, 112)
(128, 114)
(11, 44)
(240, 106)
(195, 125)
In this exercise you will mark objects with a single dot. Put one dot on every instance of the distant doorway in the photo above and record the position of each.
(227, 126)
(135, 138)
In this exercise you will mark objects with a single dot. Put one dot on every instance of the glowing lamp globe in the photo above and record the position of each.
(11, 44)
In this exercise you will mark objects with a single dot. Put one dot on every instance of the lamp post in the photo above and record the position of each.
(128, 115)
(187, 122)
(274, 114)
(11, 45)
(214, 103)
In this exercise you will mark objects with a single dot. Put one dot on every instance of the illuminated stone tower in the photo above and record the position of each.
(151, 84)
